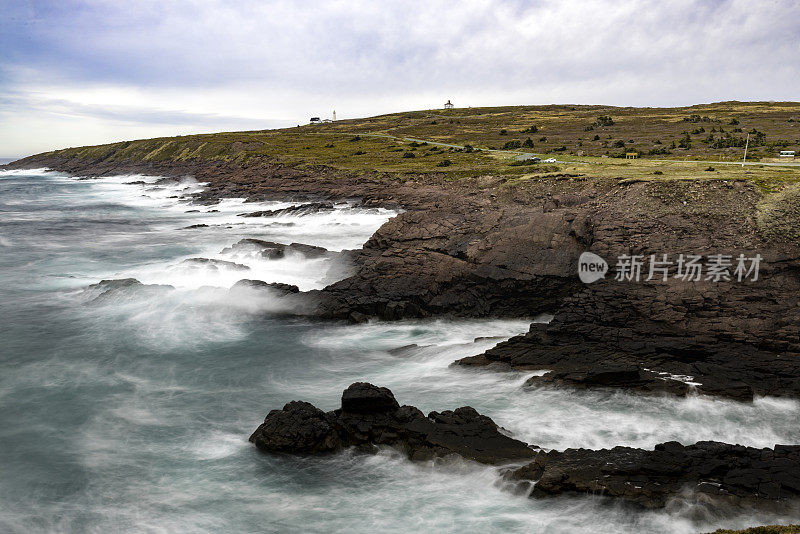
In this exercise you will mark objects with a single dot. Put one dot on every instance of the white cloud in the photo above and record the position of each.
(178, 66)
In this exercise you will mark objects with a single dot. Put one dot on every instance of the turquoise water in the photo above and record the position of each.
(132, 414)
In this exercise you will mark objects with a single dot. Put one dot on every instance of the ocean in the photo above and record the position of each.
(132, 413)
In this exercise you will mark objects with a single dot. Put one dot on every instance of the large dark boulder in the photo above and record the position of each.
(299, 427)
(370, 416)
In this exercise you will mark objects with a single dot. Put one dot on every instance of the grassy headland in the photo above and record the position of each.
(697, 142)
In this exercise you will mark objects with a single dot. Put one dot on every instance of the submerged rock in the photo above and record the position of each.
(718, 471)
(116, 283)
(371, 416)
(215, 264)
(275, 251)
(121, 288)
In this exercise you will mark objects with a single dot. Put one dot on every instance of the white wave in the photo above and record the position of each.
(43, 171)
(170, 203)
(548, 417)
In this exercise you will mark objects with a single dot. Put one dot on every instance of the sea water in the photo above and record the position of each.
(131, 414)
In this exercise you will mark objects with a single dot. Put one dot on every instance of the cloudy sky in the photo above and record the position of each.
(81, 72)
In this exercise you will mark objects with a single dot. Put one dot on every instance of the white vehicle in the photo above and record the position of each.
(550, 160)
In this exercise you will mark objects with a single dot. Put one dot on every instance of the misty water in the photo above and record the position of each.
(132, 413)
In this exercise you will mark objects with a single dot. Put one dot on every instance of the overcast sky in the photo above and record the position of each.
(84, 72)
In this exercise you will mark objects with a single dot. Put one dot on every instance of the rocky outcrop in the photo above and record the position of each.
(727, 337)
(717, 471)
(712, 339)
(463, 259)
(370, 416)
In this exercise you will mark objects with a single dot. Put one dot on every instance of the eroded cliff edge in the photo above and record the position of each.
(483, 247)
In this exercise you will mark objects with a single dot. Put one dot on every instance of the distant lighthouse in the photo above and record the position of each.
(334, 114)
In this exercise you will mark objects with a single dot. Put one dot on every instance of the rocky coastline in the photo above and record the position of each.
(481, 248)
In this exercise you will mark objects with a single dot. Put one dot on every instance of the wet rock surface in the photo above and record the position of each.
(716, 471)
(370, 416)
(276, 288)
(302, 209)
(275, 251)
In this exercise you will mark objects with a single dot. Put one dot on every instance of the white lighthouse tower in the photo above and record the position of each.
(334, 115)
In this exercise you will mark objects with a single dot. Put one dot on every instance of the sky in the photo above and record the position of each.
(77, 72)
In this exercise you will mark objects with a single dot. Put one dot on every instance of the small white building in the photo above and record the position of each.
(448, 105)
(787, 153)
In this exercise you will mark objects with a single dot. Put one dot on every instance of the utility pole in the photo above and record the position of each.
(746, 143)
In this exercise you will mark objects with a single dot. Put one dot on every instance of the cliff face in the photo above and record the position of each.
(482, 247)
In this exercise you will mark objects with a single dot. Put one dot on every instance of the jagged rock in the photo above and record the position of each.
(723, 472)
(194, 226)
(371, 416)
(302, 209)
(275, 287)
(215, 264)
